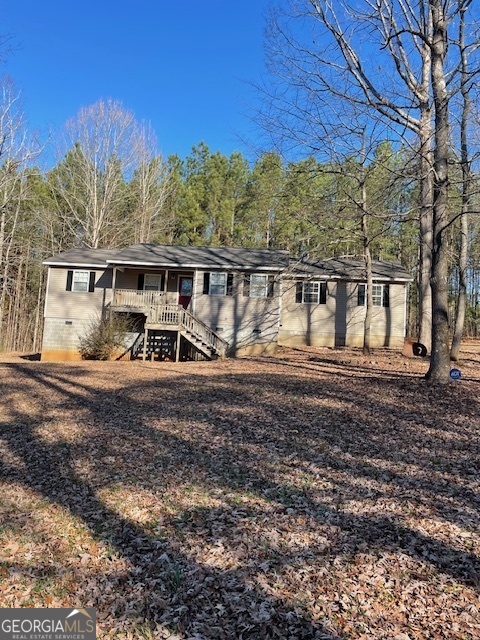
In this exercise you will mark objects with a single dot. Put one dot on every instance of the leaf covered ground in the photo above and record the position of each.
(312, 494)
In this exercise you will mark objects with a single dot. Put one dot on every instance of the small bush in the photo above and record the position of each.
(104, 337)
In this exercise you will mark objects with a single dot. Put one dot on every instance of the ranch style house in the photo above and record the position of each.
(207, 302)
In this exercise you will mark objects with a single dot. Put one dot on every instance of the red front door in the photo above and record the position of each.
(185, 289)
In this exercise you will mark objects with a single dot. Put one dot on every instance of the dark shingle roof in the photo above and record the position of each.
(82, 257)
(170, 256)
(201, 257)
(349, 269)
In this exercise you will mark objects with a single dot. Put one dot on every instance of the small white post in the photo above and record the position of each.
(177, 352)
(145, 340)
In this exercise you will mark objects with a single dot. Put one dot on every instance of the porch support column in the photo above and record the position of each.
(145, 340)
(114, 283)
(194, 291)
(177, 350)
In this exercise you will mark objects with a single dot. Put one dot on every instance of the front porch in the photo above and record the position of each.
(139, 288)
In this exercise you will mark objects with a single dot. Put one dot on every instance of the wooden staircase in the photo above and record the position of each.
(173, 317)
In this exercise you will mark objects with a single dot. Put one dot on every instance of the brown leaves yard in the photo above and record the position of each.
(314, 494)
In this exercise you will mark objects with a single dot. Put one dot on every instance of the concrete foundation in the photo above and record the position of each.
(61, 338)
(268, 348)
(327, 340)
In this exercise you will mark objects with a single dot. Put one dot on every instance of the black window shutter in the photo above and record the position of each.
(271, 281)
(386, 295)
(162, 282)
(229, 284)
(323, 293)
(206, 283)
(246, 285)
(91, 281)
(299, 292)
(361, 295)
(69, 280)
(141, 281)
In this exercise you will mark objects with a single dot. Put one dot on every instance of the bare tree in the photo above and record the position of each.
(101, 147)
(392, 82)
(401, 80)
(467, 179)
(360, 169)
(440, 359)
(149, 190)
(17, 150)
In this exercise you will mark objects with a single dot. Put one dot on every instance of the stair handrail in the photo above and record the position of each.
(203, 331)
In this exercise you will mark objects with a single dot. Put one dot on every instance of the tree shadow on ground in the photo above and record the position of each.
(240, 434)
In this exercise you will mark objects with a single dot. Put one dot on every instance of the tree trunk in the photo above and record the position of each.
(369, 301)
(426, 223)
(36, 330)
(466, 191)
(368, 268)
(440, 358)
(462, 289)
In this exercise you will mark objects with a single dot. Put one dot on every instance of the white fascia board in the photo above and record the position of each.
(77, 265)
(380, 280)
(331, 277)
(310, 276)
(203, 267)
(385, 279)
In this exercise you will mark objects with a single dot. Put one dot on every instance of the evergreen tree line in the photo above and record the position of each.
(111, 188)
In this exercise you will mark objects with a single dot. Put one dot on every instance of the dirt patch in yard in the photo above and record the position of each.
(316, 493)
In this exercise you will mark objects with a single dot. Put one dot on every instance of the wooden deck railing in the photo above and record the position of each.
(203, 332)
(165, 314)
(176, 316)
(137, 299)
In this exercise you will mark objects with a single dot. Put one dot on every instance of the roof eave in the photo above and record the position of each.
(325, 276)
(76, 264)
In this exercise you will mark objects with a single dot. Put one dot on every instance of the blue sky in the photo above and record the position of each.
(183, 66)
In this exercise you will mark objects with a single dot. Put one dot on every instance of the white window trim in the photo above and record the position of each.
(310, 282)
(74, 281)
(155, 275)
(382, 294)
(262, 288)
(218, 273)
(376, 294)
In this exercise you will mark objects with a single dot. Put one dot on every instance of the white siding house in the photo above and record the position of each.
(205, 302)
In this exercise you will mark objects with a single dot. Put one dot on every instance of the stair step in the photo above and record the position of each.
(194, 338)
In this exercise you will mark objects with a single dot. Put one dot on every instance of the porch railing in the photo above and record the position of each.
(165, 314)
(134, 299)
(203, 332)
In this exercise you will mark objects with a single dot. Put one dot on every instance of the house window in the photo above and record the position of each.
(218, 283)
(377, 295)
(380, 295)
(80, 281)
(152, 282)
(313, 292)
(258, 285)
